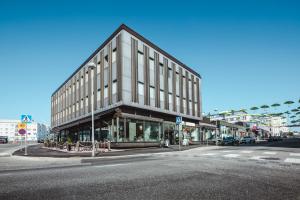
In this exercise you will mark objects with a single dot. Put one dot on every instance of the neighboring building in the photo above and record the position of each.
(9, 129)
(274, 125)
(42, 131)
(139, 89)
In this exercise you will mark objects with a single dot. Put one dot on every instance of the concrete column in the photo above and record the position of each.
(112, 129)
(118, 129)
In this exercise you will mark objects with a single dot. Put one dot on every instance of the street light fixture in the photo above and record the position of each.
(92, 66)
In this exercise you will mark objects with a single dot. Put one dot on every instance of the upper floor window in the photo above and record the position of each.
(114, 56)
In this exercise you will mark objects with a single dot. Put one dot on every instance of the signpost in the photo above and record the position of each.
(178, 122)
(26, 119)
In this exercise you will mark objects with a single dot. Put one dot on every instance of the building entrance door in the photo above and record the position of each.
(169, 132)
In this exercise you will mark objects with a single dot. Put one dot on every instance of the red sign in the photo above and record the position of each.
(22, 131)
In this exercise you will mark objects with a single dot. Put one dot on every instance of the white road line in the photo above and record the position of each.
(227, 151)
(209, 154)
(232, 155)
(246, 151)
(257, 158)
(292, 160)
(113, 165)
(270, 153)
(5, 174)
(294, 154)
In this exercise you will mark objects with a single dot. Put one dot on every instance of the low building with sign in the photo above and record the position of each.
(36, 131)
(139, 89)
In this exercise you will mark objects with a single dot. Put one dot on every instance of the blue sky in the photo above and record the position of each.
(246, 51)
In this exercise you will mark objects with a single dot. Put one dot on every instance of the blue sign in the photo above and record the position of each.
(26, 119)
(178, 120)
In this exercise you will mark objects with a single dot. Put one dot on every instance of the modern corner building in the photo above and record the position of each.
(139, 89)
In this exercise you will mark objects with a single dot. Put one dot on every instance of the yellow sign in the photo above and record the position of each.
(21, 126)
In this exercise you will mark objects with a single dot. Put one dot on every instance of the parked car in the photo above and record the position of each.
(3, 141)
(247, 140)
(230, 141)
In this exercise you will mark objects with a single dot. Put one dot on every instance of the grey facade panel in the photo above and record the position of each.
(157, 83)
(174, 87)
(193, 96)
(166, 88)
(181, 90)
(119, 68)
(95, 84)
(146, 76)
(102, 79)
(109, 73)
(134, 70)
(187, 92)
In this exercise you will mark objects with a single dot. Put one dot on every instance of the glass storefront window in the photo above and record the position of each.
(152, 130)
(131, 130)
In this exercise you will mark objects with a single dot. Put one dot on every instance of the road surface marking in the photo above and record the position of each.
(5, 174)
(292, 160)
(246, 151)
(4, 155)
(227, 151)
(232, 155)
(113, 165)
(270, 153)
(294, 154)
(256, 158)
(209, 154)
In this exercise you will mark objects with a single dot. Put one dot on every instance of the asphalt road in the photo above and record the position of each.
(245, 172)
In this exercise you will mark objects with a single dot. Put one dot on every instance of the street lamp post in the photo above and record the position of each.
(92, 66)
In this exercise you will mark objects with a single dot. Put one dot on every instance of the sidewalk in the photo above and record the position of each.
(9, 152)
(40, 151)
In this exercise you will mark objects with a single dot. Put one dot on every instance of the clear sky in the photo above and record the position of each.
(248, 52)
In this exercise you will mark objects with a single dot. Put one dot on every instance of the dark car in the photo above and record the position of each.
(247, 140)
(230, 141)
(3, 141)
